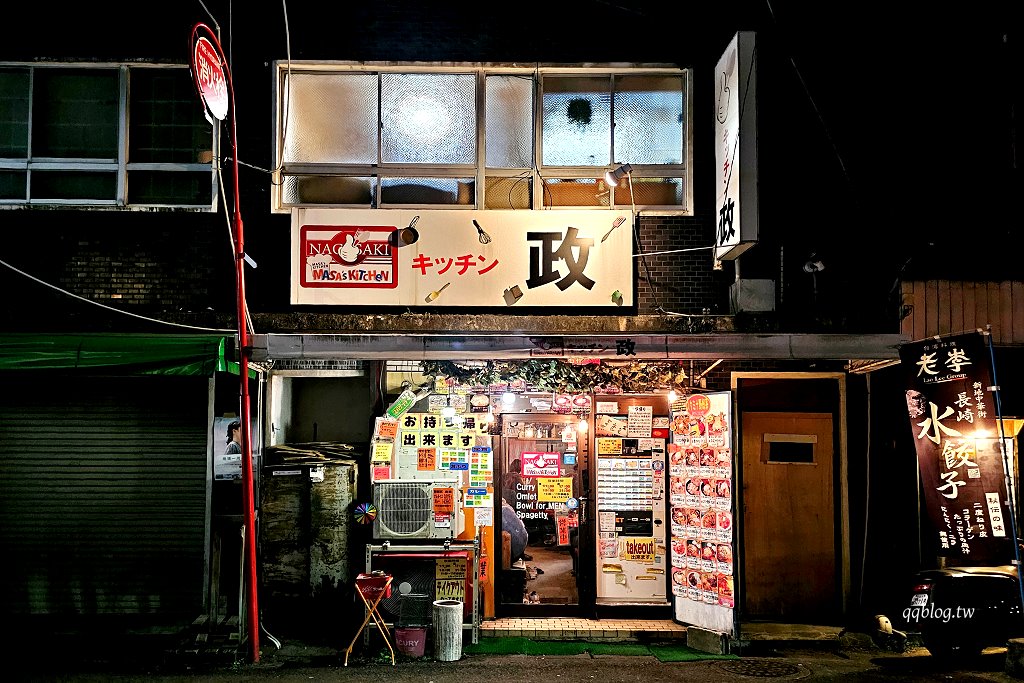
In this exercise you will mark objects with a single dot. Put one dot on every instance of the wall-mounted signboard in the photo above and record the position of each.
(440, 258)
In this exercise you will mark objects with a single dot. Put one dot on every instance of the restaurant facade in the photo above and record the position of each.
(569, 284)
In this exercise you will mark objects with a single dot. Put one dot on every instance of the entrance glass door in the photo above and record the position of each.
(542, 460)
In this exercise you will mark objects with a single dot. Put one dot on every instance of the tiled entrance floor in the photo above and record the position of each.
(571, 628)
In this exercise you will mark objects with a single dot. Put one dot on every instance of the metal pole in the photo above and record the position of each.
(244, 345)
(244, 351)
(1010, 503)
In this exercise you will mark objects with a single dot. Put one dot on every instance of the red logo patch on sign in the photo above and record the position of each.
(345, 257)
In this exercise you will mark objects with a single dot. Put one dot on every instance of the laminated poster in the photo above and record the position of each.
(700, 472)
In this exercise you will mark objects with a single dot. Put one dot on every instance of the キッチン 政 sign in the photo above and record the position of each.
(952, 413)
(533, 258)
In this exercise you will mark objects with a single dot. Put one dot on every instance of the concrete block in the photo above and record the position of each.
(705, 640)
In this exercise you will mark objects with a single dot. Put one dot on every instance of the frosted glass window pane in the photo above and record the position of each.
(652, 191)
(332, 118)
(509, 122)
(508, 193)
(577, 121)
(425, 190)
(14, 113)
(649, 120)
(75, 114)
(319, 189)
(576, 192)
(428, 118)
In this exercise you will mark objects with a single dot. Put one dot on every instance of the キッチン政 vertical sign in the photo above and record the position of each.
(956, 432)
(735, 129)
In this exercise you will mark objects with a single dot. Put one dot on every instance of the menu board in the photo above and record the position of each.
(701, 476)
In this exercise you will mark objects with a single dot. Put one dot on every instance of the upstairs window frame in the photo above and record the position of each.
(318, 181)
(110, 173)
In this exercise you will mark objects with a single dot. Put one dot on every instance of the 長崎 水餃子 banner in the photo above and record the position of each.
(952, 412)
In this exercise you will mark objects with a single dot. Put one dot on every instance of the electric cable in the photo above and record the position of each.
(110, 308)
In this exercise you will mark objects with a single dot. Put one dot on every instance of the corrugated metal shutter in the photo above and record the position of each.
(103, 496)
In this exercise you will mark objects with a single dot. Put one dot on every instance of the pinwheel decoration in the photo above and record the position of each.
(365, 513)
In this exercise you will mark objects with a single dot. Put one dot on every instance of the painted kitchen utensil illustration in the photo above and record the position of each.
(484, 237)
(436, 293)
(618, 221)
(403, 237)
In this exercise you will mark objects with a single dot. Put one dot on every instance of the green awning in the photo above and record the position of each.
(142, 354)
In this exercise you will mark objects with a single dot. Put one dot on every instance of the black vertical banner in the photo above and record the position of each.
(953, 418)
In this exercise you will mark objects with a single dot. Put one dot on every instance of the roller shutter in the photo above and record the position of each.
(103, 497)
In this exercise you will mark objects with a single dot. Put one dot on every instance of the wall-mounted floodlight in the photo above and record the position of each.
(614, 176)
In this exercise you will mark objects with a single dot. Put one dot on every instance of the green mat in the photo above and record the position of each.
(664, 652)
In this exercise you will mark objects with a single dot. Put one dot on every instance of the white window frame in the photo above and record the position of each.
(479, 171)
(121, 166)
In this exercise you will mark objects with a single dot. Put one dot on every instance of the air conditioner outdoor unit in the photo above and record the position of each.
(405, 510)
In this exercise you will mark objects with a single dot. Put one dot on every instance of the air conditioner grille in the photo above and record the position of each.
(404, 509)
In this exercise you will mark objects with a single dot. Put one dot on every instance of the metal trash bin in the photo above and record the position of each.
(448, 630)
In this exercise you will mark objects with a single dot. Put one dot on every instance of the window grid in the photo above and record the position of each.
(65, 132)
(673, 175)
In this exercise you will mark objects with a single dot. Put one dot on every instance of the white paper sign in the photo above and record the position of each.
(639, 421)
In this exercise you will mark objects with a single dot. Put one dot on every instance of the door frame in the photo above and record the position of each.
(841, 490)
(584, 605)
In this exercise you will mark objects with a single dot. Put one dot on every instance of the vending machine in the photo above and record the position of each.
(630, 433)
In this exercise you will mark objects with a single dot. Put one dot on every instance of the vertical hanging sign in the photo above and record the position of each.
(736, 147)
(956, 434)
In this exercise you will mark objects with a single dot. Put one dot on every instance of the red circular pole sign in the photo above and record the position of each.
(208, 73)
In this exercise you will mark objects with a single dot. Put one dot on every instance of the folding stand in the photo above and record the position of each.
(372, 588)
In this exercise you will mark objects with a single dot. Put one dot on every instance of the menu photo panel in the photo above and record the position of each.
(701, 476)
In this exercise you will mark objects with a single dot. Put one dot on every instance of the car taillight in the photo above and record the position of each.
(922, 588)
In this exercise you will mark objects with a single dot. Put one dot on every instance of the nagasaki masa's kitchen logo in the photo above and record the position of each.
(348, 256)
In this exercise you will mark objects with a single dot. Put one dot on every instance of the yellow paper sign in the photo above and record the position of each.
(554, 489)
(609, 446)
(450, 568)
(637, 549)
(382, 451)
(450, 589)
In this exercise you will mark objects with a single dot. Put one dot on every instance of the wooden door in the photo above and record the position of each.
(789, 562)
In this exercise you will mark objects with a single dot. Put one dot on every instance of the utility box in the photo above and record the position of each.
(752, 296)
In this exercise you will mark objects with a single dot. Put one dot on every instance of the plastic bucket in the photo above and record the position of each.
(411, 641)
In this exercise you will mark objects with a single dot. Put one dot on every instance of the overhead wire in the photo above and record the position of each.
(110, 308)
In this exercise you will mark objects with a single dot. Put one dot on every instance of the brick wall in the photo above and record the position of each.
(683, 282)
(142, 263)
